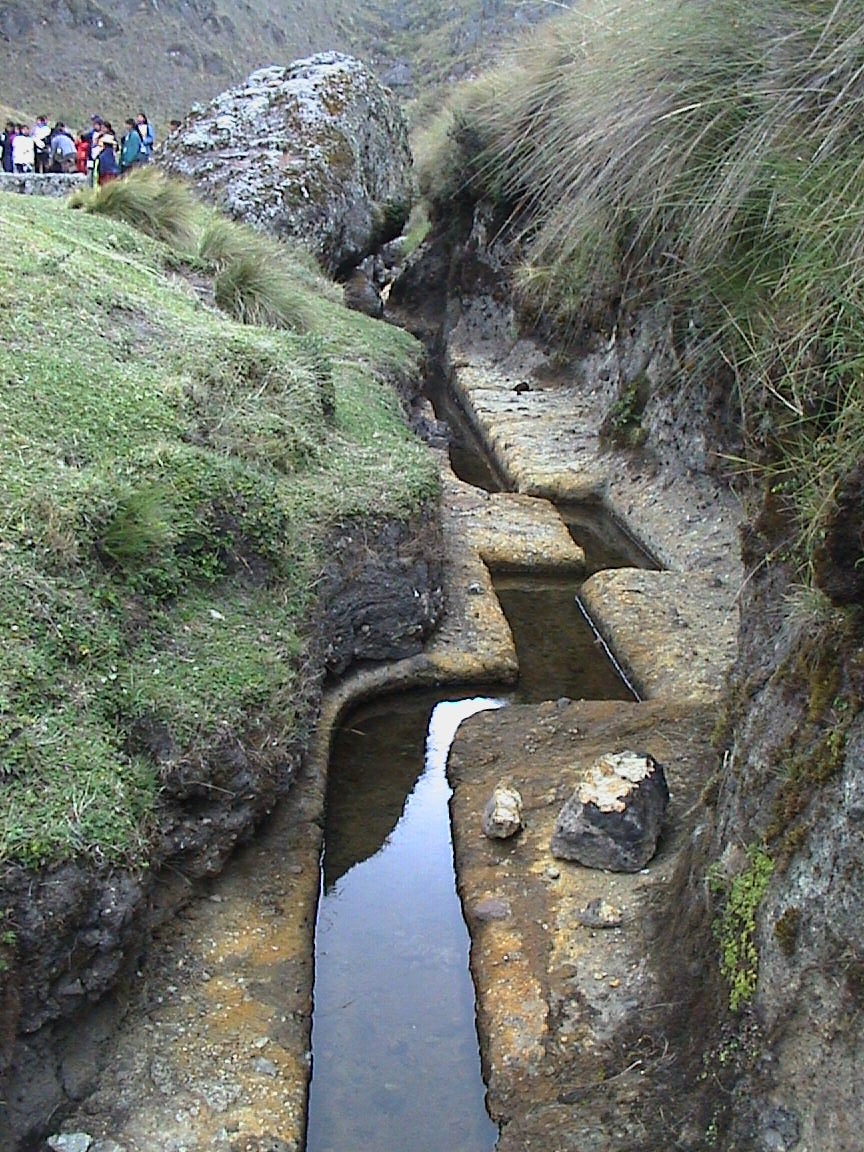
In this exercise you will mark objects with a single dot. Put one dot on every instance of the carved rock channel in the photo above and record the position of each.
(230, 982)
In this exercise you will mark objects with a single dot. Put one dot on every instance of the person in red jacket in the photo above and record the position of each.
(82, 153)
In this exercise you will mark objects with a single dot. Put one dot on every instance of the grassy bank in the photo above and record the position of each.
(706, 158)
(169, 479)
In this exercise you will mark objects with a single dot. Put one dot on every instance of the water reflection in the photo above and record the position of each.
(559, 652)
(396, 1060)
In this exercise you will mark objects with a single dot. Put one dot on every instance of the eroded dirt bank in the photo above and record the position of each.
(82, 934)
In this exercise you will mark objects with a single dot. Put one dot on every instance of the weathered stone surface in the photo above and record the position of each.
(382, 591)
(675, 633)
(316, 152)
(613, 819)
(599, 913)
(70, 1142)
(362, 295)
(502, 816)
(39, 184)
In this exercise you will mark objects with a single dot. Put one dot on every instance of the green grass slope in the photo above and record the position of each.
(169, 479)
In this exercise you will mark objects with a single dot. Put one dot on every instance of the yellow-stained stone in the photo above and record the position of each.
(674, 633)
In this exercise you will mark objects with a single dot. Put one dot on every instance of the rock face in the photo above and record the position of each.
(793, 782)
(315, 153)
(382, 591)
(613, 819)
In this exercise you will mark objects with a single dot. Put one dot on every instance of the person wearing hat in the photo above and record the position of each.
(103, 151)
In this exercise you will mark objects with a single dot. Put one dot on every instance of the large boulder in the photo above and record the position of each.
(316, 152)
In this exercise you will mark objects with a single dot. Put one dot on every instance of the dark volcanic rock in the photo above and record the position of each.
(613, 819)
(837, 560)
(382, 592)
(315, 153)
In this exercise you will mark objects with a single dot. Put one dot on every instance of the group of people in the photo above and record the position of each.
(96, 151)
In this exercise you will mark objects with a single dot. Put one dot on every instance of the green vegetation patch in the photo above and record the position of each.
(707, 159)
(169, 482)
(735, 928)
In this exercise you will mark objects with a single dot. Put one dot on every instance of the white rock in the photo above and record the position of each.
(502, 816)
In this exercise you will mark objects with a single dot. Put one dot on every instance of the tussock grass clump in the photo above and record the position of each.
(256, 292)
(162, 208)
(259, 280)
(222, 241)
(256, 280)
(707, 157)
(140, 526)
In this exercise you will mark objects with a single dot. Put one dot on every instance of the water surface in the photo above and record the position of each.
(396, 1063)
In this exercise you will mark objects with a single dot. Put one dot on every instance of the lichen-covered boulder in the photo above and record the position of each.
(316, 152)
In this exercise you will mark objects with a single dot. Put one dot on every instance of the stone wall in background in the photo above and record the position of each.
(35, 184)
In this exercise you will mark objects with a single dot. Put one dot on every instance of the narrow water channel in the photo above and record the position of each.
(395, 1055)
(395, 1061)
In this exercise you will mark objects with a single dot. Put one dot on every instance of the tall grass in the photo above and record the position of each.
(709, 156)
(255, 292)
(162, 208)
(256, 280)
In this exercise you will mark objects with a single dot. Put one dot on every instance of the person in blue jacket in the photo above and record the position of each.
(145, 131)
(104, 152)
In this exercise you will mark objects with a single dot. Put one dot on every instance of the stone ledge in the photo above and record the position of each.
(674, 633)
(37, 184)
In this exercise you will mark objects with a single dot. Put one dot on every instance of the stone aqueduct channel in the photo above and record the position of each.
(217, 1055)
